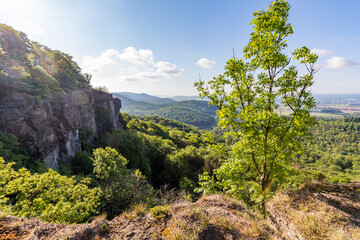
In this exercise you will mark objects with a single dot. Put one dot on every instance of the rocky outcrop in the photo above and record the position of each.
(299, 214)
(47, 101)
(50, 126)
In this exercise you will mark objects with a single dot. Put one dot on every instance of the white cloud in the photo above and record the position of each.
(128, 66)
(111, 56)
(339, 62)
(322, 52)
(205, 63)
(95, 64)
(167, 68)
(143, 56)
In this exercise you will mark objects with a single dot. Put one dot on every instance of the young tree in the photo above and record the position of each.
(120, 186)
(250, 95)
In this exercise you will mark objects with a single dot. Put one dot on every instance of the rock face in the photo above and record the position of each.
(50, 127)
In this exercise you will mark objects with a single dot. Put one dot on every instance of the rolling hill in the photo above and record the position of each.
(195, 112)
(143, 97)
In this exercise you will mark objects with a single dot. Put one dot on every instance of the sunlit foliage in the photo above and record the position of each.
(49, 196)
(248, 96)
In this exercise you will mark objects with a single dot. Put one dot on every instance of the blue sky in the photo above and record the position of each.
(160, 47)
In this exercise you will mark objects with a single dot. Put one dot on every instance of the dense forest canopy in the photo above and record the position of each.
(334, 149)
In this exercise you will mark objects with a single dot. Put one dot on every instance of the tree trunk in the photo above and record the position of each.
(263, 200)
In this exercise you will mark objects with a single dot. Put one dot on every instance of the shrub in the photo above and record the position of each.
(160, 212)
(121, 187)
(104, 227)
(130, 144)
(49, 196)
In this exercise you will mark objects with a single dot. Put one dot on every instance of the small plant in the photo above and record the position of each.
(139, 208)
(188, 198)
(204, 218)
(104, 227)
(192, 211)
(160, 212)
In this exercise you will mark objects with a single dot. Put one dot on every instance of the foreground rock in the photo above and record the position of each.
(212, 217)
(319, 211)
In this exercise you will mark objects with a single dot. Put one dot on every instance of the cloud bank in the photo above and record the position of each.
(130, 65)
(205, 63)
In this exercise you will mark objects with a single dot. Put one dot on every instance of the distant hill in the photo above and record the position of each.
(185, 98)
(191, 110)
(144, 97)
(344, 98)
(194, 112)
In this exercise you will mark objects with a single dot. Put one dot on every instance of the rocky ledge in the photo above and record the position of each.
(49, 127)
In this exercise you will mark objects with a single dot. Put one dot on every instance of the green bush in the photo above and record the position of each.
(121, 187)
(104, 227)
(130, 145)
(49, 196)
(42, 82)
(186, 162)
(64, 169)
(86, 135)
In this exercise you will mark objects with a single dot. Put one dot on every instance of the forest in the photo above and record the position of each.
(166, 152)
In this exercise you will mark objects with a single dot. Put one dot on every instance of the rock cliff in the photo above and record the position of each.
(46, 100)
(50, 127)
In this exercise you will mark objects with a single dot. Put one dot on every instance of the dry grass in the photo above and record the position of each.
(167, 195)
(216, 216)
(136, 210)
(304, 214)
(312, 217)
(180, 229)
(139, 209)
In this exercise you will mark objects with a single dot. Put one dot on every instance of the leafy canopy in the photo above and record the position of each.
(249, 96)
(49, 196)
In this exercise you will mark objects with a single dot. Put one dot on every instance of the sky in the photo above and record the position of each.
(160, 47)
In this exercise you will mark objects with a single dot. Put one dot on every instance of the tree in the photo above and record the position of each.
(250, 97)
(120, 186)
(108, 163)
